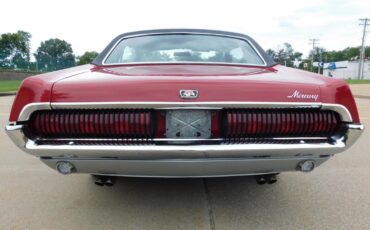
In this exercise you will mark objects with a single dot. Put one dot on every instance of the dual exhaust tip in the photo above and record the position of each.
(105, 181)
(266, 179)
(303, 166)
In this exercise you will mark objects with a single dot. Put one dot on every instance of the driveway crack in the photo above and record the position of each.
(209, 205)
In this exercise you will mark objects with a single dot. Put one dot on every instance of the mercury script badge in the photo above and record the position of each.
(297, 94)
(189, 93)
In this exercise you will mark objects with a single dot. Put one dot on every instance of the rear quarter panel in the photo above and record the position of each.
(39, 88)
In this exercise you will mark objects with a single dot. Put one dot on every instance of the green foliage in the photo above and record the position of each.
(15, 50)
(349, 53)
(283, 54)
(87, 57)
(9, 85)
(20, 71)
(317, 54)
(54, 54)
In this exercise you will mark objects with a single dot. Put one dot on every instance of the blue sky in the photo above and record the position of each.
(90, 25)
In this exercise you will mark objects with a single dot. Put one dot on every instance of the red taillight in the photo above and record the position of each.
(138, 125)
(92, 124)
(243, 123)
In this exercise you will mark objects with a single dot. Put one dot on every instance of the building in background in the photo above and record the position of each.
(346, 69)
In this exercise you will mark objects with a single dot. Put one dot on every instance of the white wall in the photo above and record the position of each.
(348, 70)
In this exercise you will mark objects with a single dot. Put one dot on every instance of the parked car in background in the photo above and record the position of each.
(183, 103)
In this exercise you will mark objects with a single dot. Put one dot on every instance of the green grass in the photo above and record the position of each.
(358, 81)
(9, 85)
(21, 71)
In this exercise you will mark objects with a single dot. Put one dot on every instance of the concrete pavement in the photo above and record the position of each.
(361, 90)
(334, 196)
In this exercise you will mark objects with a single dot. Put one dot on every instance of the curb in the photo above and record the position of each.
(7, 93)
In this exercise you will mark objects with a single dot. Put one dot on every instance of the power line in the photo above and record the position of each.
(365, 23)
(313, 42)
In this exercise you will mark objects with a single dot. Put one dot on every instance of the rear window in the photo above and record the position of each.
(184, 48)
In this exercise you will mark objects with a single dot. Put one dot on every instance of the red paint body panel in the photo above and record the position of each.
(38, 88)
(162, 83)
(222, 83)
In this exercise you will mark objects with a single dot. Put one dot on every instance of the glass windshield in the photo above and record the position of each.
(178, 48)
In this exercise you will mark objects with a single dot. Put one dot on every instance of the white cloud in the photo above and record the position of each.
(90, 25)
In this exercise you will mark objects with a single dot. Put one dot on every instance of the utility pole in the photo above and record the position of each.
(319, 63)
(364, 22)
(313, 42)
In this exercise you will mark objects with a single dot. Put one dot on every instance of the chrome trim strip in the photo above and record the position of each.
(195, 33)
(28, 109)
(342, 110)
(177, 139)
(299, 138)
(184, 105)
(24, 115)
(131, 139)
(191, 107)
(184, 151)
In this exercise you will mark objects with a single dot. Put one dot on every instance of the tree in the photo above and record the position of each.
(351, 52)
(333, 56)
(271, 53)
(15, 50)
(318, 53)
(297, 55)
(367, 52)
(54, 54)
(347, 54)
(284, 54)
(87, 57)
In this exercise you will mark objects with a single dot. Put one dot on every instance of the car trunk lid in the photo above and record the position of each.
(164, 83)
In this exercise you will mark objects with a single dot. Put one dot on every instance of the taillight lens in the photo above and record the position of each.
(279, 123)
(91, 124)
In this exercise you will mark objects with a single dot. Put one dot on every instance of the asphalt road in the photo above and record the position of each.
(334, 196)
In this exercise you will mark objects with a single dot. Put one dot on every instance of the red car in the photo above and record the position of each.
(183, 103)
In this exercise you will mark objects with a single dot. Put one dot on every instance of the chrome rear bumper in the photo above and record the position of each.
(183, 167)
(184, 160)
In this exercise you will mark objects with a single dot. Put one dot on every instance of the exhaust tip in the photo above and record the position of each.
(64, 167)
(261, 180)
(99, 181)
(105, 181)
(109, 182)
(272, 179)
(307, 166)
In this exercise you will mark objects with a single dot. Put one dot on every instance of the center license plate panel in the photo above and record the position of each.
(188, 124)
